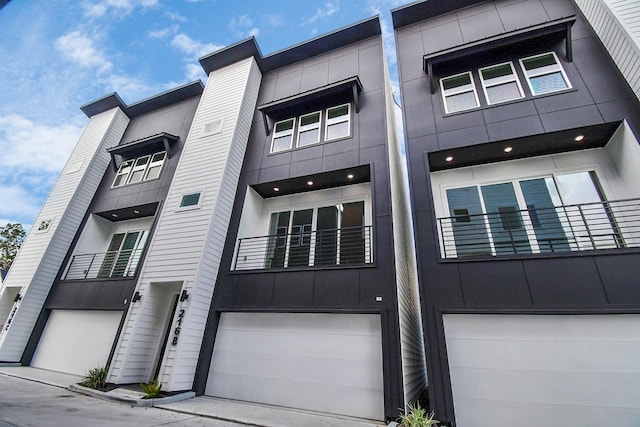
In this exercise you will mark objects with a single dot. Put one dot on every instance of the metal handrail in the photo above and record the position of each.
(568, 228)
(341, 246)
(104, 265)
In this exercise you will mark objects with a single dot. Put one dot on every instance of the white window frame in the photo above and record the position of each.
(310, 127)
(549, 69)
(336, 120)
(287, 132)
(499, 81)
(152, 164)
(190, 207)
(458, 90)
(121, 173)
(136, 168)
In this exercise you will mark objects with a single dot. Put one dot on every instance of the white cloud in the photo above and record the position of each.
(119, 7)
(330, 8)
(81, 50)
(164, 33)
(27, 145)
(194, 72)
(130, 88)
(274, 20)
(241, 26)
(23, 206)
(192, 47)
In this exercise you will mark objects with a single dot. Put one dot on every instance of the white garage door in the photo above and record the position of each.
(75, 341)
(321, 362)
(527, 370)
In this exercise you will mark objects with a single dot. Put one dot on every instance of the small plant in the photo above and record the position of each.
(152, 389)
(417, 416)
(96, 378)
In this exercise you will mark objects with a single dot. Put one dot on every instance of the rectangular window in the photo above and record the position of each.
(190, 200)
(123, 173)
(141, 169)
(282, 135)
(309, 129)
(544, 73)
(138, 169)
(459, 92)
(500, 83)
(338, 122)
(157, 160)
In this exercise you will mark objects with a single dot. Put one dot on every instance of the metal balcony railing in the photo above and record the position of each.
(344, 246)
(105, 265)
(571, 228)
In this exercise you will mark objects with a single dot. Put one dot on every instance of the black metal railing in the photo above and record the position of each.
(104, 265)
(344, 246)
(571, 228)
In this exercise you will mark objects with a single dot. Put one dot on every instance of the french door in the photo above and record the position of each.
(123, 254)
(327, 235)
(549, 214)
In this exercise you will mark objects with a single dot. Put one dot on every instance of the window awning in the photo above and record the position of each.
(348, 89)
(560, 27)
(160, 141)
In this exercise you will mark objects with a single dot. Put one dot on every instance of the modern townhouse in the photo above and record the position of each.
(249, 239)
(524, 166)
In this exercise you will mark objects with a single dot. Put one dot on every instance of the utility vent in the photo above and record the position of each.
(74, 167)
(213, 128)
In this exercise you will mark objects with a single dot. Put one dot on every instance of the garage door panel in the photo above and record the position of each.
(612, 357)
(555, 388)
(485, 413)
(507, 370)
(75, 341)
(321, 362)
(301, 343)
(320, 397)
(356, 373)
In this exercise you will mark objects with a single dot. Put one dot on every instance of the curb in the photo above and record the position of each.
(130, 400)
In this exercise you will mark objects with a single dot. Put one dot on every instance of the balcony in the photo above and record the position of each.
(561, 229)
(105, 265)
(335, 247)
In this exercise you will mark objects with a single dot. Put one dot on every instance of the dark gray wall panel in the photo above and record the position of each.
(337, 287)
(514, 128)
(574, 117)
(565, 281)
(621, 277)
(495, 285)
(293, 288)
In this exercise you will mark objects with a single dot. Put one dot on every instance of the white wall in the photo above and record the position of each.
(42, 253)
(187, 244)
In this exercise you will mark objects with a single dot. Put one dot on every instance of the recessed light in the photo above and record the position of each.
(136, 211)
(276, 189)
(449, 158)
(508, 149)
(114, 215)
(578, 138)
(350, 176)
(309, 182)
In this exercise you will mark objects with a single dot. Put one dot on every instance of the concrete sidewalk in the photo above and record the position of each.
(222, 409)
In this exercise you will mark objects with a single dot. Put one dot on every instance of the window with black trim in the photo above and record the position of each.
(312, 128)
(144, 168)
(459, 92)
(544, 73)
(500, 82)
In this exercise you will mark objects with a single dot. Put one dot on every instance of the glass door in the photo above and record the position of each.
(505, 221)
(300, 239)
(468, 224)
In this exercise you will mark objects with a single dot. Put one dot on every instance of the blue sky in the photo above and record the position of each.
(60, 54)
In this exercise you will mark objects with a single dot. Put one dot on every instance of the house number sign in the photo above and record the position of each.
(176, 330)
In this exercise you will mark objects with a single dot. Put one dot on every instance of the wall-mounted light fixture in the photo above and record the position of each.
(136, 297)
(17, 298)
(184, 295)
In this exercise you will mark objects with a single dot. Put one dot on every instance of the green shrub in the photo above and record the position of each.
(152, 389)
(417, 416)
(96, 378)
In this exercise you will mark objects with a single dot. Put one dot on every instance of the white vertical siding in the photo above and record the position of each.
(42, 253)
(617, 23)
(414, 375)
(187, 245)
